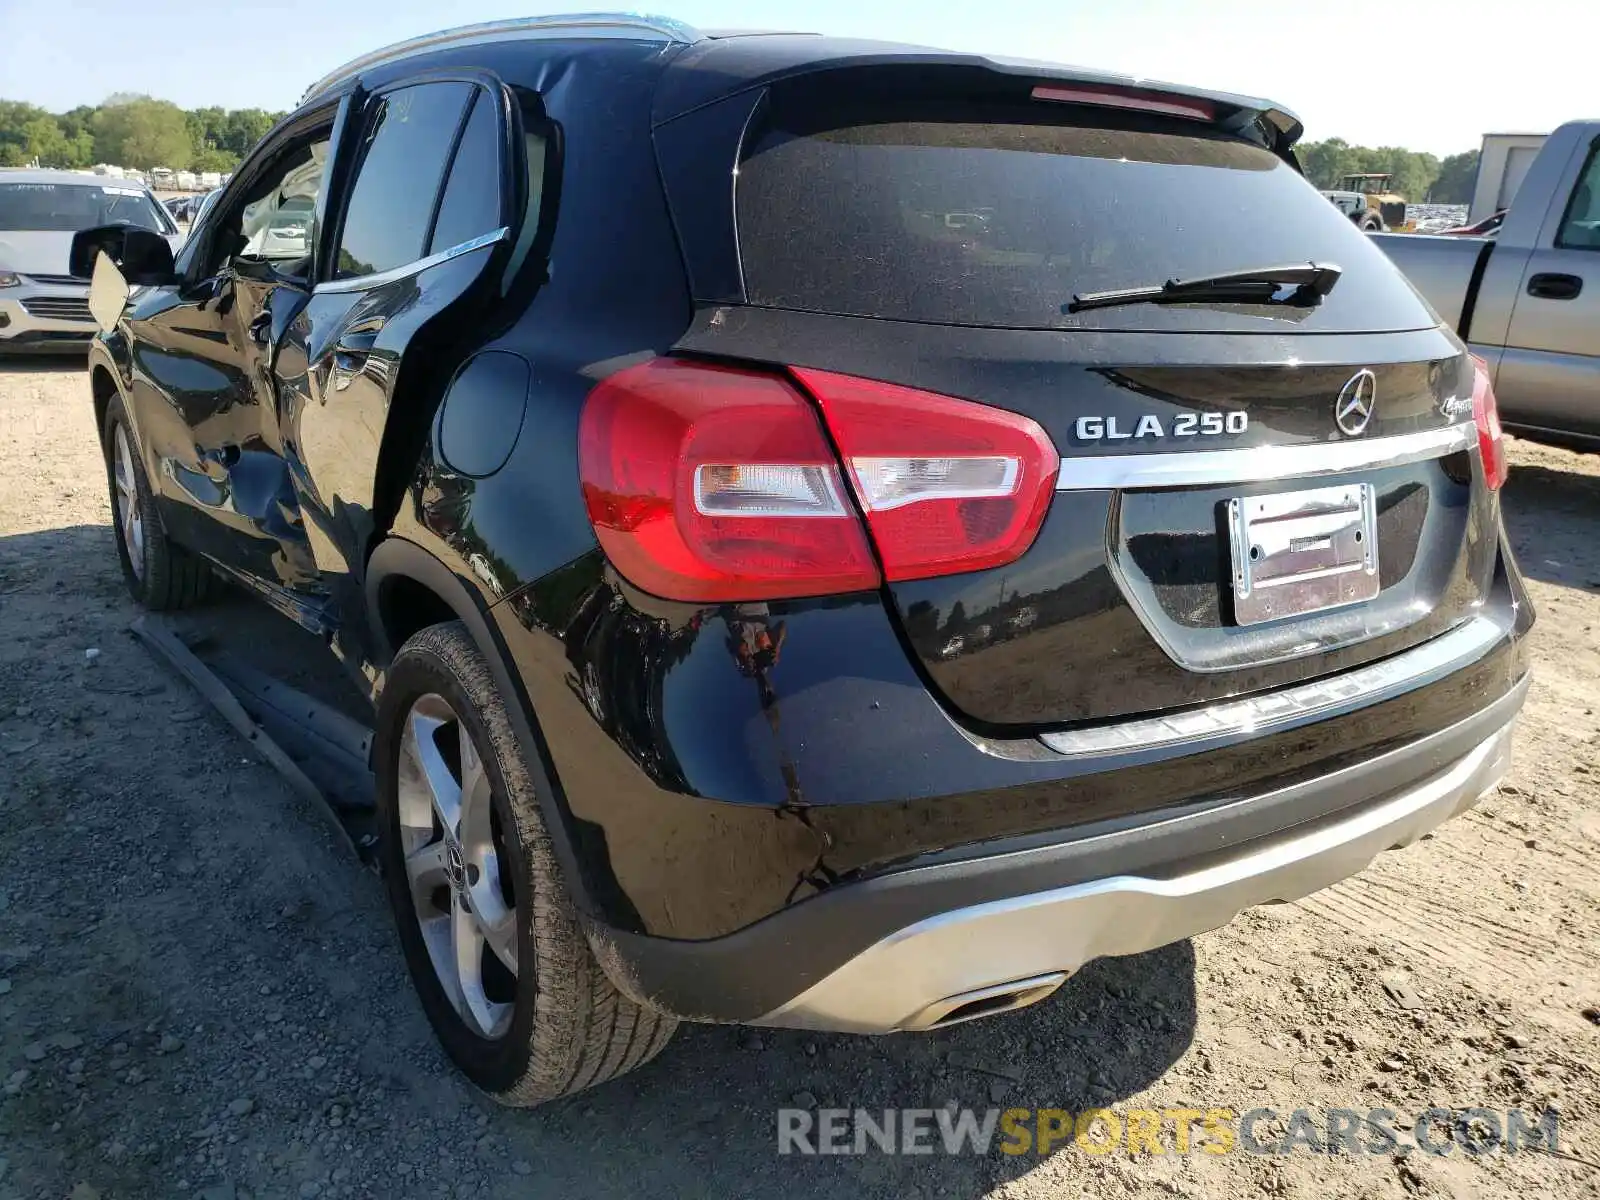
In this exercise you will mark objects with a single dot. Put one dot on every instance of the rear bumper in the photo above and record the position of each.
(920, 947)
(999, 955)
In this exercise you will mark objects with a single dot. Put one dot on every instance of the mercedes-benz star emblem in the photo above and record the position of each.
(1353, 409)
(455, 865)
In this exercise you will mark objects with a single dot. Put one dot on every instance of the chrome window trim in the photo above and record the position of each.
(1268, 711)
(1255, 464)
(600, 24)
(360, 283)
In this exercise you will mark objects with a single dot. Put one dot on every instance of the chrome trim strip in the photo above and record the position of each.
(984, 947)
(1254, 464)
(615, 24)
(360, 283)
(1291, 705)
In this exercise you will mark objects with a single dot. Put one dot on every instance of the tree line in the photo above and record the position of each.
(138, 131)
(1419, 177)
(130, 131)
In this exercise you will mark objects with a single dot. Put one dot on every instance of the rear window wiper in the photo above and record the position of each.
(1311, 282)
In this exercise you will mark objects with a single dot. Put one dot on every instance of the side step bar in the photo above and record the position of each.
(328, 763)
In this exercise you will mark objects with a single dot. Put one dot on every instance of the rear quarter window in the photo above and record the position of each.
(997, 213)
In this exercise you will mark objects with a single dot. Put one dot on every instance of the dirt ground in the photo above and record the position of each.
(201, 993)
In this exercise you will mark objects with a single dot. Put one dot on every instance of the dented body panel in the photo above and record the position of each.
(402, 451)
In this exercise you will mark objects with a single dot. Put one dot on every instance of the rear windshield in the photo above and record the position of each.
(995, 214)
(69, 207)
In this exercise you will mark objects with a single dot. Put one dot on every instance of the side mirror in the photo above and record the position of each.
(142, 255)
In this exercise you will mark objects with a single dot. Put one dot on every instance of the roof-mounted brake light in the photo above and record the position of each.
(1134, 98)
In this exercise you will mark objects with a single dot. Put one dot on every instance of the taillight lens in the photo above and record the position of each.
(946, 485)
(708, 483)
(1486, 415)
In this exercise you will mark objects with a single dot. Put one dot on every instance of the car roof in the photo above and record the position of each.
(35, 175)
(703, 67)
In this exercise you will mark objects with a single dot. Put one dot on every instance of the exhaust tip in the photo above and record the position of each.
(985, 1002)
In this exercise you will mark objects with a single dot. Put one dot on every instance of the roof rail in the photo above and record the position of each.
(615, 24)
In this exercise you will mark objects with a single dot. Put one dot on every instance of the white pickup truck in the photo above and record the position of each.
(1528, 299)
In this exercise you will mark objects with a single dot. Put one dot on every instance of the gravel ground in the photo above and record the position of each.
(201, 993)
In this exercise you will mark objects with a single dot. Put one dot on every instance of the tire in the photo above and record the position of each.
(1370, 222)
(556, 1025)
(161, 575)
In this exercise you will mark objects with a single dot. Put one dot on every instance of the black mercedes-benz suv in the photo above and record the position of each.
(836, 534)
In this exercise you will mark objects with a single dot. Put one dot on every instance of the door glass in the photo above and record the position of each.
(408, 141)
(471, 204)
(1580, 229)
(277, 222)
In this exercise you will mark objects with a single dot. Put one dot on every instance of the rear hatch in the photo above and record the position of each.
(1250, 494)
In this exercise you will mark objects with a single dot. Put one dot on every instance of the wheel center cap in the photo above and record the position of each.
(455, 866)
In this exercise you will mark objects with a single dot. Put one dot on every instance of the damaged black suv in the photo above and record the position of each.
(836, 535)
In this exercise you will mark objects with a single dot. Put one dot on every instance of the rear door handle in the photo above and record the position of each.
(1549, 286)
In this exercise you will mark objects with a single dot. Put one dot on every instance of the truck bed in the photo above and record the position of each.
(1444, 269)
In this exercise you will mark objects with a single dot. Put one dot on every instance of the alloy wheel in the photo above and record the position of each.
(129, 519)
(452, 840)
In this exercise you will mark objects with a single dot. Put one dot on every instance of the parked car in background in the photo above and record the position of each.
(846, 599)
(287, 234)
(187, 209)
(202, 204)
(1488, 227)
(1527, 297)
(42, 307)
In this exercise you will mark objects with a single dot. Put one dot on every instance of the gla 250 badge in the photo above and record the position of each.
(1184, 424)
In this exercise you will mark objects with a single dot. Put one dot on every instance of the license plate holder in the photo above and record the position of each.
(1303, 551)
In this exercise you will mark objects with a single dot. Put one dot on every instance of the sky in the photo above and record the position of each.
(1421, 76)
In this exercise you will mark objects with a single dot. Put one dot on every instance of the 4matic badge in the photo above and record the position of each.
(1180, 425)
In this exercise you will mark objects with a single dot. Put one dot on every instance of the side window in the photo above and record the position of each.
(537, 142)
(1580, 228)
(408, 140)
(274, 222)
(471, 204)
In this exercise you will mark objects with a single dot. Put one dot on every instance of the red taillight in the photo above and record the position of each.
(947, 485)
(1486, 415)
(709, 483)
(714, 483)
(1139, 99)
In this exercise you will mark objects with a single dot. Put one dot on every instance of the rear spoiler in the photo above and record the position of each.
(712, 69)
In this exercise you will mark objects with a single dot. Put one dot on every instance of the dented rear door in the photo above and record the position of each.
(420, 244)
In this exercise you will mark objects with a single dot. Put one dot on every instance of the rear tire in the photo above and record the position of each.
(1370, 222)
(161, 575)
(491, 938)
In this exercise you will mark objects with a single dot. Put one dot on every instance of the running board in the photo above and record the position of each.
(320, 753)
(333, 748)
